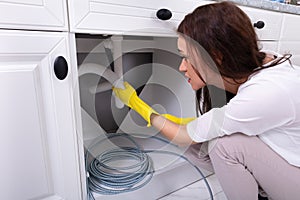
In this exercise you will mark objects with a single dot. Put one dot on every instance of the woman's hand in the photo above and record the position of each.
(125, 95)
(129, 97)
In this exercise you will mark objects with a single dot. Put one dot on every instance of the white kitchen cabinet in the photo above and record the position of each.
(127, 17)
(272, 23)
(290, 37)
(34, 14)
(38, 145)
(269, 33)
(289, 31)
(40, 120)
(279, 33)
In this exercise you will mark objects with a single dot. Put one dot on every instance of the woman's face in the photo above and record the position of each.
(203, 74)
(186, 66)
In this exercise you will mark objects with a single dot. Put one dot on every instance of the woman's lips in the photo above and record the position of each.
(188, 78)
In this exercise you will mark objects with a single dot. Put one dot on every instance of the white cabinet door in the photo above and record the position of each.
(34, 14)
(290, 28)
(38, 145)
(128, 17)
(272, 22)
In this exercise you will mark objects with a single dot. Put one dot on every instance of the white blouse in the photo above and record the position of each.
(267, 105)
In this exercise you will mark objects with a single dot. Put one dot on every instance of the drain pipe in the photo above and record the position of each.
(118, 63)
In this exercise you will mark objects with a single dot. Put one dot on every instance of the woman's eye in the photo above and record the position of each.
(184, 58)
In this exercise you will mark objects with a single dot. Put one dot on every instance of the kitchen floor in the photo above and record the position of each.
(198, 191)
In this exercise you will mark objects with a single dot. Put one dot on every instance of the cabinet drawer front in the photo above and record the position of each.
(128, 17)
(34, 14)
(271, 19)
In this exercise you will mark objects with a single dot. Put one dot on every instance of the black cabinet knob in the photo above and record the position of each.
(164, 14)
(60, 68)
(259, 24)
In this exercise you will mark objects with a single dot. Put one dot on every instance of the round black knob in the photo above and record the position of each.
(164, 14)
(60, 68)
(259, 24)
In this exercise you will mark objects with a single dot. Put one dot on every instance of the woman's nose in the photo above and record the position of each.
(182, 66)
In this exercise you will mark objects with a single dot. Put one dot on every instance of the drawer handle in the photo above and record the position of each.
(164, 14)
(259, 24)
(60, 68)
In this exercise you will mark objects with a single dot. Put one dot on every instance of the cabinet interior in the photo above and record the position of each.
(150, 65)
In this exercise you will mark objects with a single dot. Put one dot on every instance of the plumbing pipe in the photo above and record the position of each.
(118, 62)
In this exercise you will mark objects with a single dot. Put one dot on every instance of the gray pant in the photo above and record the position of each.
(243, 163)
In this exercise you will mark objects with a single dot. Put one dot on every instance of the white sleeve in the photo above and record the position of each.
(255, 109)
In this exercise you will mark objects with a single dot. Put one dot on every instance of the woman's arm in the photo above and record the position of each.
(172, 127)
(174, 132)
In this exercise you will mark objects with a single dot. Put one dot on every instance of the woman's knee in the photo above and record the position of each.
(231, 147)
(199, 157)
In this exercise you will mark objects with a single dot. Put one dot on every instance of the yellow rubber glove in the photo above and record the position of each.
(177, 120)
(129, 97)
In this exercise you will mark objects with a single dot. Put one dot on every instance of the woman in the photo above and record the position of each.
(254, 140)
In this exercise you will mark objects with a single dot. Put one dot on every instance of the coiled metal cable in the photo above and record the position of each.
(105, 178)
(108, 179)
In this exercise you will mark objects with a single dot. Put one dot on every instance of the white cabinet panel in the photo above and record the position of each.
(290, 37)
(38, 145)
(269, 45)
(22, 134)
(33, 14)
(272, 22)
(291, 47)
(127, 17)
(290, 28)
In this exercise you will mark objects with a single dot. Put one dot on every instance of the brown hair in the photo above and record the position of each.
(227, 34)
